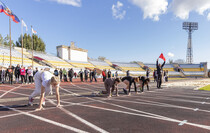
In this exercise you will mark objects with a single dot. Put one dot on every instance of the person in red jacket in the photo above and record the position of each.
(23, 74)
(104, 75)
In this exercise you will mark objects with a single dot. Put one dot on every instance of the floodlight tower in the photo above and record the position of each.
(190, 27)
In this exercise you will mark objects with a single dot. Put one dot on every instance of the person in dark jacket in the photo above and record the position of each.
(61, 74)
(56, 73)
(128, 80)
(94, 74)
(109, 74)
(81, 75)
(147, 73)
(71, 74)
(159, 73)
(128, 73)
(91, 75)
(1, 74)
(86, 74)
(17, 73)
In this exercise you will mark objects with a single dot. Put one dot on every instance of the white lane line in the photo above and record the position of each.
(171, 99)
(49, 121)
(148, 116)
(9, 91)
(159, 95)
(196, 109)
(69, 91)
(93, 86)
(159, 104)
(62, 101)
(182, 123)
(203, 102)
(82, 87)
(155, 116)
(81, 119)
(15, 93)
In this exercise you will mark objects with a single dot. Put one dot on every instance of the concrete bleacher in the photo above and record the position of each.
(82, 65)
(16, 58)
(101, 64)
(51, 59)
(192, 69)
(134, 68)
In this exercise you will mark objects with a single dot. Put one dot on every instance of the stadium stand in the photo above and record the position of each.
(79, 64)
(192, 69)
(16, 58)
(134, 68)
(100, 64)
(50, 60)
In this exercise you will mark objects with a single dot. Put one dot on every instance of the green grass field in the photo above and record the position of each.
(205, 88)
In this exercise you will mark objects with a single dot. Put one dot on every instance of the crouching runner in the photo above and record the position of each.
(44, 81)
(143, 81)
(128, 82)
(111, 83)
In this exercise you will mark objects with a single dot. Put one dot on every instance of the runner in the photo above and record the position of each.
(111, 83)
(128, 81)
(44, 81)
(142, 82)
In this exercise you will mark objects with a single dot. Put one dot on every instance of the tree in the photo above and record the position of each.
(38, 44)
(179, 61)
(6, 41)
(170, 61)
(1, 40)
(102, 58)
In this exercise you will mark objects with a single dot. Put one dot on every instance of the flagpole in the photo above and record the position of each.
(32, 49)
(10, 41)
(22, 38)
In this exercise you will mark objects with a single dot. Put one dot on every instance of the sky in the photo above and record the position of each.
(120, 30)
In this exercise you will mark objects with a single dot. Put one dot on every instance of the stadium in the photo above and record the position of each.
(78, 59)
(68, 91)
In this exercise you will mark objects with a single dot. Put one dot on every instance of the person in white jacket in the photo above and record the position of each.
(44, 81)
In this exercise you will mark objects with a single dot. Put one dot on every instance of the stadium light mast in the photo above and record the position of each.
(189, 27)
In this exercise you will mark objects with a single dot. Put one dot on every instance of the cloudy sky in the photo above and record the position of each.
(120, 30)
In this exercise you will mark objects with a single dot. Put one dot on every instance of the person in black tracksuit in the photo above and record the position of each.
(159, 73)
(90, 75)
(17, 73)
(61, 74)
(86, 74)
(81, 75)
(94, 75)
(109, 74)
(128, 80)
(71, 74)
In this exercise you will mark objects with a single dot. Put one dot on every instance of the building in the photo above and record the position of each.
(72, 53)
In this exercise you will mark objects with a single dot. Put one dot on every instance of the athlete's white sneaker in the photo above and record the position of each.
(43, 102)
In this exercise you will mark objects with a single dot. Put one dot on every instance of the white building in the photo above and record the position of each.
(72, 53)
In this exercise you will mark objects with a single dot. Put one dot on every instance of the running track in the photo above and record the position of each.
(167, 110)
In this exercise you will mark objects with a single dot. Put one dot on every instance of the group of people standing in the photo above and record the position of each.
(88, 73)
(70, 74)
(12, 74)
(108, 74)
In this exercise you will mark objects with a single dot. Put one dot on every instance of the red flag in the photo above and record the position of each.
(162, 57)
